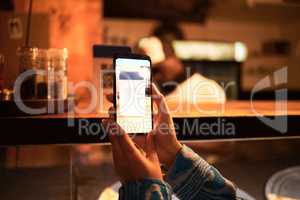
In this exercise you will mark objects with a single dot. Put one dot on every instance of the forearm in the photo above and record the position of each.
(191, 177)
(145, 189)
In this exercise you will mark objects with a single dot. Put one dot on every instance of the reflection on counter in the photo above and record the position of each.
(93, 170)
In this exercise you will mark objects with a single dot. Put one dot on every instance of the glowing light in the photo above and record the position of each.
(240, 52)
(153, 48)
(213, 51)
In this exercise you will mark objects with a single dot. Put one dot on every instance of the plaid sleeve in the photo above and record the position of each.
(149, 189)
(191, 178)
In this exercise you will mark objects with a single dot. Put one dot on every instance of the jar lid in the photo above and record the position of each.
(58, 53)
(22, 51)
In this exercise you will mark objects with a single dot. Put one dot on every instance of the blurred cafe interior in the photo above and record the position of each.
(246, 51)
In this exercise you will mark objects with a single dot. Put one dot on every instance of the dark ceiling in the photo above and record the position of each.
(178, 10)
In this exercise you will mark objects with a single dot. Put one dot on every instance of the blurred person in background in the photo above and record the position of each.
(168, 72)
(166, 67)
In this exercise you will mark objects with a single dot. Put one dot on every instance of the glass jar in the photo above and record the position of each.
(27, 61)
(49, 79)
(42, 65)
(57, 74)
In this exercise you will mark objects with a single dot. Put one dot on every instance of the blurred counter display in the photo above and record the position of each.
(219, 61)
(198, 89)
(276, 58)
(86, 128)
(210, 51)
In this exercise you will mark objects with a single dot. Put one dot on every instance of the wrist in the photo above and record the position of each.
(172, 152)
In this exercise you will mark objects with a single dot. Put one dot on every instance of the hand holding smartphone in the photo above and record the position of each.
(132, 93)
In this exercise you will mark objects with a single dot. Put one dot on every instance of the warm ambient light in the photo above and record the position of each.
(213, 51)
(153, 48)
(240, 52)
(279, 197)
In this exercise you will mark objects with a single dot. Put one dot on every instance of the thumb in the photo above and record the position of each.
(160, 102)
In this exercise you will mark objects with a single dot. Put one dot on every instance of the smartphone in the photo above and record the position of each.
(132, 93)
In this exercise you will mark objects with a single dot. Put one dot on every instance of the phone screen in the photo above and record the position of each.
(133, 98)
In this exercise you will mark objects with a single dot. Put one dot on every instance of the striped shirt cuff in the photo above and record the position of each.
(151, 189)
(191, 177)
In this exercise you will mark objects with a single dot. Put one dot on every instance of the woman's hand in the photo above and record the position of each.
(131, 163)
(164, 133)
(166, 142)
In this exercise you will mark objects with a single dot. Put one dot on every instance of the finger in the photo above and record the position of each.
(117, 152)
(160, 101)
(156, 94)
(120, 163)
(119, 159)
(111, 112)
(151, 148)
(140, 141)
(155, 119)
(127, 146)
(104, 124)
(108, 125)
(110, 97)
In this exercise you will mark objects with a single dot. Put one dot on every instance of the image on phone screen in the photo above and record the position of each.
(133, 98)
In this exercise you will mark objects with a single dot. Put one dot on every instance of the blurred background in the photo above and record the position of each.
(235, 43)
(263, 34)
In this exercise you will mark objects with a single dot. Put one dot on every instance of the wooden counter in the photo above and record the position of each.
(233, 120)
